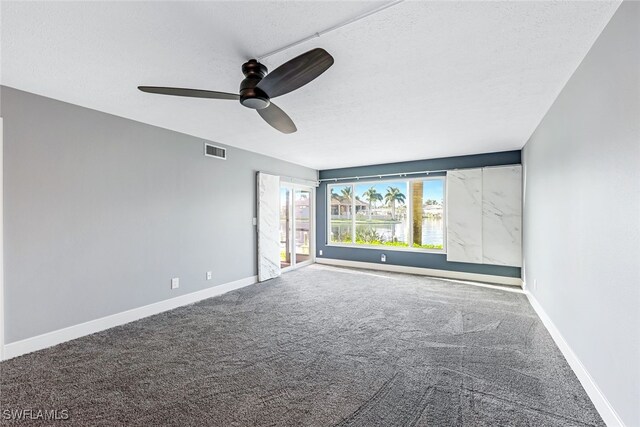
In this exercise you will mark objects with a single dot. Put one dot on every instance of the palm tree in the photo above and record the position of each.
(394, 195)
(371, 195)
(417, 196)
(347, 194)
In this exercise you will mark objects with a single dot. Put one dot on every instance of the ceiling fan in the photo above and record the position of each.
(256, 90)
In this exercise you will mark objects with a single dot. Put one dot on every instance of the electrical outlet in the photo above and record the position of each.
(209, 275)
(175, 283)
(383, 258)
(255, 221)
(320, 252)
(535, 284)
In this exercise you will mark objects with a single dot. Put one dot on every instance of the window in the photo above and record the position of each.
(428, 213)
(405, 214)
(340, 223)
(381, 214)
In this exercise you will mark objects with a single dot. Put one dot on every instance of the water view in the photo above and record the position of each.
(383, 215)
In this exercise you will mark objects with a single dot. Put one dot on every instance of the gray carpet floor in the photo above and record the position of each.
(319, 346)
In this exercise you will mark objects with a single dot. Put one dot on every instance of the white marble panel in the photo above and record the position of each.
(268, 226)
(502, 215)
(464, 215)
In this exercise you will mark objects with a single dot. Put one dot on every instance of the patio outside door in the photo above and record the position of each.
(296, 225)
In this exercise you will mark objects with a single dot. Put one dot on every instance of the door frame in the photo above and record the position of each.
(312, 225)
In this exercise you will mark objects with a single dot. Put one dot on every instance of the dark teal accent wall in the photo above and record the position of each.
(406, 258)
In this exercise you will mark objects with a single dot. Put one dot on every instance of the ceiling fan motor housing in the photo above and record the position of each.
(251, 96)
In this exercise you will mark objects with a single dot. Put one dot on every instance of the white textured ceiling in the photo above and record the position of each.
(418, 80)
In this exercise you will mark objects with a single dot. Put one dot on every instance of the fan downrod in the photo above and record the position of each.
(251, 96)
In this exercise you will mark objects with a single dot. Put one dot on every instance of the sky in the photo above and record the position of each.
(432, 189)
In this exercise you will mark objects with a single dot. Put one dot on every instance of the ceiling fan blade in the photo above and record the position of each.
(296, 73)
(277, 118)
(194, 93)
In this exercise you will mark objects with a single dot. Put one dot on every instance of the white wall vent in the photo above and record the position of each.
(213, 151)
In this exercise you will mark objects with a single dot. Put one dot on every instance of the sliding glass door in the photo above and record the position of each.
(302, 225)
(296, 221)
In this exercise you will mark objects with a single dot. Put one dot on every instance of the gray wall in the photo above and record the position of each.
(582, 212)
(101, 212)
(404, 258)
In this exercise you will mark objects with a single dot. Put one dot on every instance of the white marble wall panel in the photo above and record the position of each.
(268, 226)
(464, 216)
(502, 215)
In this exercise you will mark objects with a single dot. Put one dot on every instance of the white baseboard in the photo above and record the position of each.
(76, 331)
(501, 280)
(604, 408)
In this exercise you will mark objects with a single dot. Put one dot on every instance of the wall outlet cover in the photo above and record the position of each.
(320, 252)
(209, 275)
(175, 283)
(383, 258)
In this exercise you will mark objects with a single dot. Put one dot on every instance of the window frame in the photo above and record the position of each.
(409, 248)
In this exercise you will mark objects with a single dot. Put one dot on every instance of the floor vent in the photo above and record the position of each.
(213, 151)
